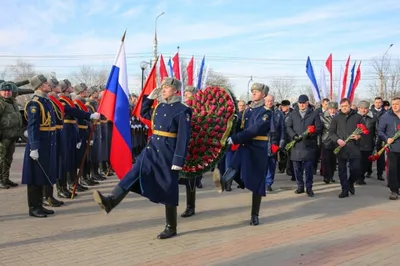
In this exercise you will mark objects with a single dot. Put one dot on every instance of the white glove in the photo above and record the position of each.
(229, 140)
(34, 154)
(26, 133)
(95, 116)
(91, 143)
(78, 145)
(154, 94)
(176, 168)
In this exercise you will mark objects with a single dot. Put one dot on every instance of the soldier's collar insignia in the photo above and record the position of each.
(265, 117)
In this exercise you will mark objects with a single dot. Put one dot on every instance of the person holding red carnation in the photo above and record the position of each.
(156, 171)
(251, 157)
(304, 119)
(388, 126)
(342, 127)
(367, 142)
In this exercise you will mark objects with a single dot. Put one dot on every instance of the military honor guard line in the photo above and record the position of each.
(69, 144)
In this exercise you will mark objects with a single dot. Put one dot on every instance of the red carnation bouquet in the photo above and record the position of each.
(376, 156)
(211, 125)
(360, 129)
(310, 130)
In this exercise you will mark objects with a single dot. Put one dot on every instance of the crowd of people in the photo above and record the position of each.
(269, 137)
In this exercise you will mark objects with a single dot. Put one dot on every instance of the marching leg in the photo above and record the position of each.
(255, 209)
(171, 219)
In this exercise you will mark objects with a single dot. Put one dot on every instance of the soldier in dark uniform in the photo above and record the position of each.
(10, 130)
(105, 146)
(95, 148)
(59, 116)
(83, 127)
(69, 138)
(39, 168)
(156, 171)
(251, 157)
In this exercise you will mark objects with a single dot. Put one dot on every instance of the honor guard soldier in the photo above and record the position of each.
(156, 171)
(10, 130)
(105, 145)
(39, 168)
(59, 116)
(69, 138)
(95, 143)
(83, 126)
(251, 157)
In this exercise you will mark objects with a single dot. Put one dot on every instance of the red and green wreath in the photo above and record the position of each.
(213, 121)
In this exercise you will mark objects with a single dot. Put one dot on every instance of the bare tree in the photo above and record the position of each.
(90, 76)
(3, 74)
(387, 71)
(282, 88)
(21, 70)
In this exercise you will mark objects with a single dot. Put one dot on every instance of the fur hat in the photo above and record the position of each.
(191, 89)
(92, 90)
(260, 87)
(38, 81)
(8, 86)
(333, 105)
(53, 82)
(80, 88)
(172, 82)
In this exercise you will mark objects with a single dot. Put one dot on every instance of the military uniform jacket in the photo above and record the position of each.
(10, 120)
(251, 157)
(42, 137)
(105, 147)
(151, 175)
(95, 149)
(70, 133)
(83, 127)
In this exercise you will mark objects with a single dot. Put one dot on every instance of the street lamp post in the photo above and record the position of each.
(248, 88)
(143, 66)
(155, 37)
(381, 72)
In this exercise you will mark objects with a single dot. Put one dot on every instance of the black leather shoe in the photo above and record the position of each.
(310, 192)
(51, 202)
(112, 200)
(343, 194)
(299, 191)
(380, 178)
(188, 212)
(36, 212)
(3, 185)
(46, 211)
(167, 233)
(352, 190)
(269, 188)
(11, 183)
(254, 220)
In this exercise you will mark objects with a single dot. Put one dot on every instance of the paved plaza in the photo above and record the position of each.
(294, 230)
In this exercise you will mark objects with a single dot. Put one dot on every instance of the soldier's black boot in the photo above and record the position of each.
(255, 209)
(40, 199)
(34, 202)
(171, 219)
(49, 199)
(71, 182)
(62, 191)
(85, 179)
(11, 183)
(228, 176)
(97, 173)
(109, 202)
(190, 200)
(228, 186)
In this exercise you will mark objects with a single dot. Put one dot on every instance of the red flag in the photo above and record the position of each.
(176, 67)
(163, 69)
(328, 65)
(356, 81)
(151, 84)
(189, 71)
(346, 71)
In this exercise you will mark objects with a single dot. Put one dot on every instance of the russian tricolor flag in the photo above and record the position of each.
(115, 106)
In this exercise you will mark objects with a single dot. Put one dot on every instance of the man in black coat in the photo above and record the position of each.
(304, 151)
(367, 142)
(378, 110)
(285, 162)
(342, 127)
